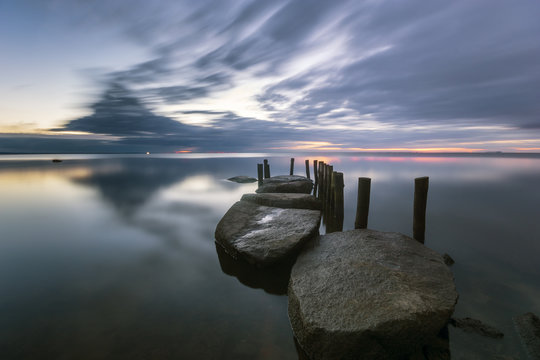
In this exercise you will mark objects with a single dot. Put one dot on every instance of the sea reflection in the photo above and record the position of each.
(115, 258)
(107, 257)
(273, 280)
(129, 184)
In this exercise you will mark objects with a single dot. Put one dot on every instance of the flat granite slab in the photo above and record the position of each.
(264, 235)
(285, 200)
(365, 294)
(286, 184)
(528, 326)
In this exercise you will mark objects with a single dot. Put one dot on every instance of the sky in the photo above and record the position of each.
(269, 75)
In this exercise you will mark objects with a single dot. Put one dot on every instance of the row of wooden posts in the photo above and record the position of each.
(328, 186)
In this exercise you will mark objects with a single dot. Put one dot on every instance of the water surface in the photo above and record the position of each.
(108, 257)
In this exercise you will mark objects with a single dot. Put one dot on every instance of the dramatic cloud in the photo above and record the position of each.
(119, 113)
(127, 125)
(355, 74)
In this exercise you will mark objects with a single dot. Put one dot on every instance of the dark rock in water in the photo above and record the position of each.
(437, 349)
(263, 235)
(242, 179)
(476, 326)
(448, 260)
(285, 200)
(299, 351)
(286, 184)
(528, 326)
(273, 279)
(365, 294)
(56, 160)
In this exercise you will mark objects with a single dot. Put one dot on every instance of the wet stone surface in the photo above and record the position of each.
(286, 184)
(263, 235)
(369, 295)
(285, 200)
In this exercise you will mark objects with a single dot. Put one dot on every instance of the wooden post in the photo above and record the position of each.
(315, 177)
(328, 193)
(321, 179)
(421, 186)
(332, 192)
(266, 169)
(322, 185)
(329, 183)
(338, 201)
(328, 214)
(292, 167)
(307, 169)
(362, 203)
(260, 174)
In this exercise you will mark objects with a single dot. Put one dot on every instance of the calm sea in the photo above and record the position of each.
(110, 257)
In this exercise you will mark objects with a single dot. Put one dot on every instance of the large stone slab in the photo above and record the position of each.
(285, 200)
(264, 235)
(365, 294)
(528, 326)
(286, 184)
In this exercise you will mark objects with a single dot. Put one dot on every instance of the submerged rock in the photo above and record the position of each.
(286, 184)
(528, 326)
(285, 200)
(264, 235)
(242, 179)
(448, 259)
(273, 279)
(437, 349)
(365, 294)
(476, 326)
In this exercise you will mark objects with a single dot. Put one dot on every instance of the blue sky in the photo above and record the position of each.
(238, 75)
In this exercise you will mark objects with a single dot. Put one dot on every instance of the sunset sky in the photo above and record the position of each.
(276, 75)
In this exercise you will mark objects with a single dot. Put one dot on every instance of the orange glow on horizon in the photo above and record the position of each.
(527, 149)
(436, 159)
(182, 151)
(329, 146)
(420, 150)
(310, 145)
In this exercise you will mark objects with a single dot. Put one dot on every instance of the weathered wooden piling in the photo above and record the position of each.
(331, 192)
(260, 174)
(421, 186)
(323, 183)
(307, 169)
(266, 169)
(316, 177)
(327, 197)
(362, 203)
(338, 208)
(329, 171)
(291, 171)
(321, 179)
(324, 192)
